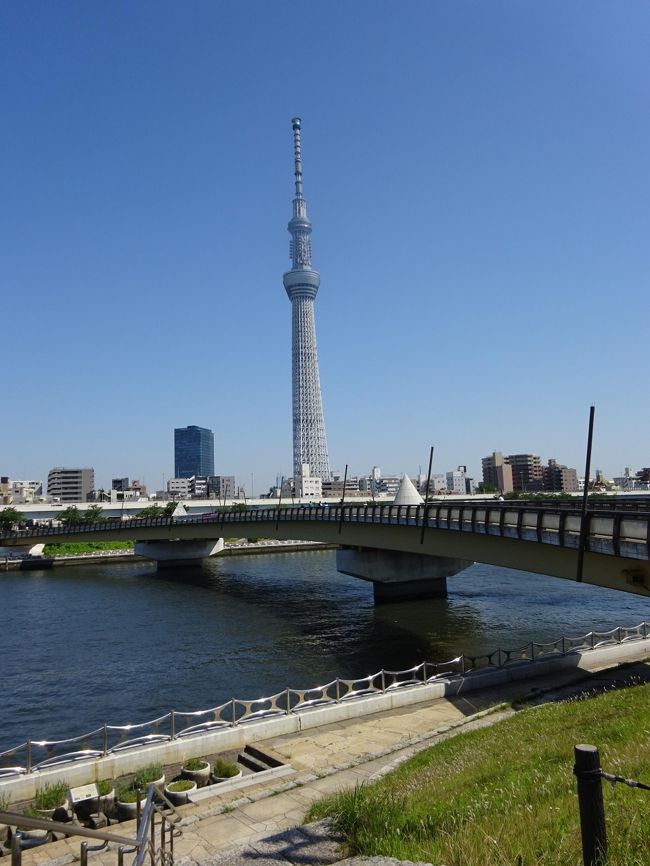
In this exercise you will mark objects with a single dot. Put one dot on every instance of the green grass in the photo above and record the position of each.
(506, 794)
(129, 794)
(224, 769)
(74, 548)
(50, 796)
(195, 764)
(181, 785)
(146, 775)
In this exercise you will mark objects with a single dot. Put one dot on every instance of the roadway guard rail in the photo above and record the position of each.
(111, 739)
(614, 532)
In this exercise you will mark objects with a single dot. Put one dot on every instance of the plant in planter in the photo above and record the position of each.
(4, 807)
(152, 774)
(178, 792)
(51, 797)
(224, 770)
(196, 770)
(127, 801)
(106, 791)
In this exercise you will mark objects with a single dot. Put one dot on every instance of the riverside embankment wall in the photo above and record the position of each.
(229, 738)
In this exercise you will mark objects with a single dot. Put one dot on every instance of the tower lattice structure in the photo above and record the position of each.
(302, 283)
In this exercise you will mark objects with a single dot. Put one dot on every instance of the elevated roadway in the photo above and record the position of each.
(409, 550)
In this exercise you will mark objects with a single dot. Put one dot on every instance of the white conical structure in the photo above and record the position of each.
(301, 284)
(406, 493)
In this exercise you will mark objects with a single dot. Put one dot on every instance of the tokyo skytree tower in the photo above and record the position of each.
(301, 284)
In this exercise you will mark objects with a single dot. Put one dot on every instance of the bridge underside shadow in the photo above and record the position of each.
(396, 574)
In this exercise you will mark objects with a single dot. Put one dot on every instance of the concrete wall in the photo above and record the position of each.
(231, 738)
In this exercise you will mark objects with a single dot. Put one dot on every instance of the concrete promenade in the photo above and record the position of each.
(263, 822)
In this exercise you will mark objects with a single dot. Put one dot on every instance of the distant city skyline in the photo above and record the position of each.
(478, 176)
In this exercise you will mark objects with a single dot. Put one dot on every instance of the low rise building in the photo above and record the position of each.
(70, 485)
(308, 486)
(221, 487)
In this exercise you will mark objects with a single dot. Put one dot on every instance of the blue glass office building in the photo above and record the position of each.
(193, 451)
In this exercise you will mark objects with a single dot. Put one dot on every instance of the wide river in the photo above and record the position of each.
(118, 643)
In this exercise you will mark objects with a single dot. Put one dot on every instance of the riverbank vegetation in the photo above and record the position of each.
(506, 794)
(75, 548)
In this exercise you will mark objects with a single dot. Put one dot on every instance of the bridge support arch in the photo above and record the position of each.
(397, 575)
(170, 553)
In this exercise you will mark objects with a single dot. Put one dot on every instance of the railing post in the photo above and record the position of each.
(105, 743)
(153, 836)
(383, 681)
(288, 694)
(233, 706)
(83, 854)
(29, 756)
(338, 691)
(16, 848)
(587, 770)
(172, 725)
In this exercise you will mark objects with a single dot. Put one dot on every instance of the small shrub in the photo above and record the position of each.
(225, 769)
(181, 785)
(105, 787)
(195, 764)
(4, 802)
(128, 794)
(51, 796)
(146, 775)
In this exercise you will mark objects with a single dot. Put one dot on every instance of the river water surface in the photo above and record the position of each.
(118, 643)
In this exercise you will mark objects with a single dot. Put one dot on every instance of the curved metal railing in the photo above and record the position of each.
(615, 531)
(34, 755)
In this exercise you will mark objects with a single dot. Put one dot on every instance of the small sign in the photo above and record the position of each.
(84, 792)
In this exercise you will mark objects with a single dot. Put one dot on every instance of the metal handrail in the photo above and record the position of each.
(294, 701)
(144, 842)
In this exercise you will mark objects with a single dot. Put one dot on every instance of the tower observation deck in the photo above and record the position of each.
(302, 283)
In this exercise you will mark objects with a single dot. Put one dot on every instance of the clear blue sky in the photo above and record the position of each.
(477, 179)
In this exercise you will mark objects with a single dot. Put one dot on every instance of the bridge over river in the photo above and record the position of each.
(410, 550)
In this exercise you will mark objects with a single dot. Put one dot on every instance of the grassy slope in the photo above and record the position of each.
(77, 547)
(506, 794)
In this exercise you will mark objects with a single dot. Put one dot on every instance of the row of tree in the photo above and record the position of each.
(10, 517)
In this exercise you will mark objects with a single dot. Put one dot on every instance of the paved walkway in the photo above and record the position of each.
(263, 822)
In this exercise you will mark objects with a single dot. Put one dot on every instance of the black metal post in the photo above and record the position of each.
(426, 497)
(588, 771)
(277, 516)
(585, 496)
(345, 478)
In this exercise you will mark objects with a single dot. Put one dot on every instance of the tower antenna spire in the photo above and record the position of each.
(296, 123)
(301, 284)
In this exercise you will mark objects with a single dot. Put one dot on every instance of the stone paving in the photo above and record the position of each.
(262, 823)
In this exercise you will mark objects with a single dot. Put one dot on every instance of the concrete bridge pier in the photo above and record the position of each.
(171, 553)
(396, 575)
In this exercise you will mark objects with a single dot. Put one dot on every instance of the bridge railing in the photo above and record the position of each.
(618, 533)
(34, 755)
